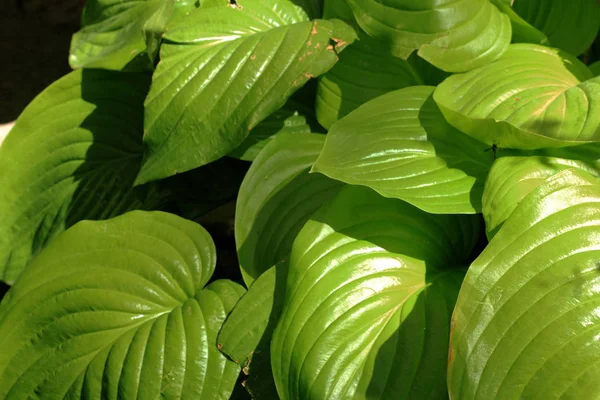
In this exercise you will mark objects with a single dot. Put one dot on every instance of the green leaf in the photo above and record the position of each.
(570, 27)
(512, 178)
(246, 334)
(287, 119)
(522, 31)
(116, 33)
(276, 198)
(526, 322)
(368, 300)
(595, 68)
(225, 69)
(73, 154)
(532, 97)
(400, 145)
(454, 36)
(125, 315)
(339, 90)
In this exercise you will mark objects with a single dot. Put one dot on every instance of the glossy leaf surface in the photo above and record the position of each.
(400, 145)
(116, 33)
(512, 178)
(276, 198)
(526, 321)
(569, 26)
(368, 300)
(223, 70)
(532, 97)
(246, 334)
(73, 154)
(126, 315)
(453, 35)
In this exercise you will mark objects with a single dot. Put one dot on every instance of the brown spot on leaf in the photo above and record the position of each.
(219, 346)
(253, 57)
(314, 29)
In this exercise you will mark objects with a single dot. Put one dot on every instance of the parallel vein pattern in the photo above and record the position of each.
(400, 145)
(116, 309)
(222, 71)
(73, 154)
(453, 35)
(368, 300)
(526, 323)
(532, 97)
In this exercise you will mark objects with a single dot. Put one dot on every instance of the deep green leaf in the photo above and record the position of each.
(512, 178)
(526, 322)
(288, 119)
(222, 71)
(246, 334)
(595, 68)
(400, 145)
(115, 33)
(277, 197)
(73, 154)
(368, 300)
(522, 31)
(453, 35)
(532, 97)
(118, 309)
(569, 26)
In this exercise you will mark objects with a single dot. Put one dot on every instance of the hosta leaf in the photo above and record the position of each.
(340, 91)
(246, 334)
(568, 26)
(288, 119)
(116, 33)
(526, 321)
(512, 178)
(368, 300)
(400, 145)
(73, 154)
(118, 309)
(522, 31)
(532, 97)
(452, 35)
(276, 198)
(223, 70)
(595, 68)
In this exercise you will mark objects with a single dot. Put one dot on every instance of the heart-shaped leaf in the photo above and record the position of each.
(532, 97)
(400, 145)
(73, 154)
(116, 33)
(118, 309)
(276, 198)
(453, 35)
(569, 26)
(368, 300)
(246, 334)
(526, 322)
(512, 178)
(223, 70)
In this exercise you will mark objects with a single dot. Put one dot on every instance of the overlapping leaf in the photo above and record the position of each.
(453, 35)
(368, 300)
(526, 323)
(223, 70)
(277, 197)
(532, 97)
(246, 334)
(366, 70)
(73, 154)
(118, 309)
(512, 178)
(116, 33)
(400, 145)
(569, 26)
